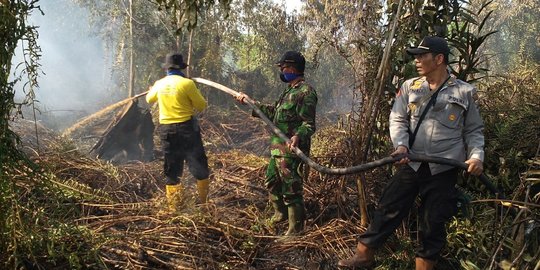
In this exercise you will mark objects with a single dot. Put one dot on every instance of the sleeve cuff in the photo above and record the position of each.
(301, 134)
(477, 155)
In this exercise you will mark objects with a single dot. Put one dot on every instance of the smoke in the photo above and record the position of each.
(76, 71)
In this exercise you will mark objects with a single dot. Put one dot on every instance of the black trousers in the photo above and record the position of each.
(438, 203)
(182, 142)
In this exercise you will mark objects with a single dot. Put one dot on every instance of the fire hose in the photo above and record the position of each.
(349, 170)
(354, 169)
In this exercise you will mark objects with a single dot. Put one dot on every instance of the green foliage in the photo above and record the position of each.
(516, 44)
(467, 36)
(34, 232)
(37, 228)
(349, 40)
(14, 29)
(150, 26)
(238, 52)
(467, 27)
(188, 11)
(509, 107)
(343, 43)
(467, 242)
(260, 33)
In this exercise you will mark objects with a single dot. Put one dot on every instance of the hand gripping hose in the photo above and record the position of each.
(355, 169)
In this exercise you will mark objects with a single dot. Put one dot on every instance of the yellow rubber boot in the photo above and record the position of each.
(174, 196)
(202, 189)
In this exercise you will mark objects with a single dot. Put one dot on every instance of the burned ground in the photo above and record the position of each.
(121, 206)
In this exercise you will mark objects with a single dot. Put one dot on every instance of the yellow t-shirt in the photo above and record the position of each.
(178, 99)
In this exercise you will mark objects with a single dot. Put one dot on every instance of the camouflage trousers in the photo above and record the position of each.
(284, 177)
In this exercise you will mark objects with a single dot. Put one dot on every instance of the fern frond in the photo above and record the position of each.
(84, 191)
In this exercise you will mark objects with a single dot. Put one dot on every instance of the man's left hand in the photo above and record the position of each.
(295, 140)
(475, 166)
(241, 98)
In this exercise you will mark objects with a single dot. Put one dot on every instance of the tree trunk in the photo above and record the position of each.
(190, 46)
(362, 200)
(178, 25)
(131, 52)
(372, 111)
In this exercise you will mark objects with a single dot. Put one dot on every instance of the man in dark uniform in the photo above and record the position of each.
(451, 128)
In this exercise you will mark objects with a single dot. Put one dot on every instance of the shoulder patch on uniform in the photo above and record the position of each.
(452, 81)
(299, 84)
(417, 83)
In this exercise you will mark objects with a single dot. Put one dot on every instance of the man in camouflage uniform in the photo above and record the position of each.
(434, 115)
(294, 114)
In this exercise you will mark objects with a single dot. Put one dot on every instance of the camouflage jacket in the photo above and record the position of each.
(294, 114)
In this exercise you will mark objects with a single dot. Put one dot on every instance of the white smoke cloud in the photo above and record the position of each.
(76, 70)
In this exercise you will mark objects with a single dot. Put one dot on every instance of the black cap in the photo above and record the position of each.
(293, 58)
(430, 44)
(174, 60)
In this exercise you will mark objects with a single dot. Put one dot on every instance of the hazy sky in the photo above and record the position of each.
(292, 5)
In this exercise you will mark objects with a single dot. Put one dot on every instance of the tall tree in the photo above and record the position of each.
(15, 29)
(131, 83)
(352, 30)
(265, 32)
(516, 44)
(163, 24)
(241, 51)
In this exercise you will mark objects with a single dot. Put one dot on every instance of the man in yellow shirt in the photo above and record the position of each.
(179, 99)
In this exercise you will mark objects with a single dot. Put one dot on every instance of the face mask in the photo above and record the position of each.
(288, 77)
(175, 72)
